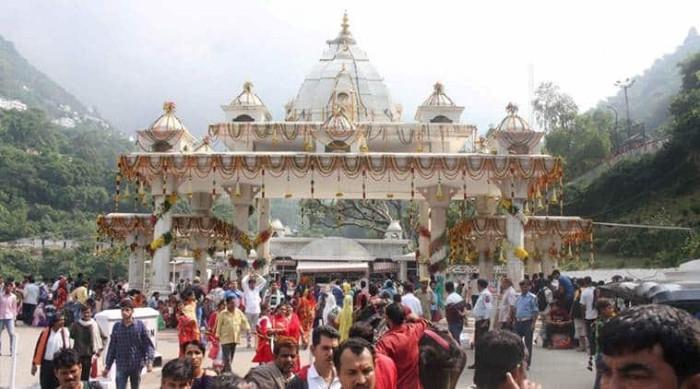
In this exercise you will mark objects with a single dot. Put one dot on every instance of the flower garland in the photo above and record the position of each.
(239, 263)
(259, 263)
(159, 242)
(513, 210)
(519, 251)
(458, 236)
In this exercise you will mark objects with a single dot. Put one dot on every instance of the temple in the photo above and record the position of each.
(342, 137)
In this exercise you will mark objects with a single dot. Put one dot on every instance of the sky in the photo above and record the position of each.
(127, 57)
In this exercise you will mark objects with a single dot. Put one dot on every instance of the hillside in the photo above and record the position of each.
(662, 189)
(654, 89)
(57, 166)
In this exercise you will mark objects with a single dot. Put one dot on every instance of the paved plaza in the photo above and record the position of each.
(551, 368)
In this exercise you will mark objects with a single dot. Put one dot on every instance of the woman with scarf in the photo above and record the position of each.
(305, 310)
(345, 317)
(330, 310)
(187, 326)
(87, 340)
(52, 339)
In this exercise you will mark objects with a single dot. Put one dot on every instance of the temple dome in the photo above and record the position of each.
(438, 98)
(247, 97)
(439, 108)
(512, 122)
(247, 107)
(166, 133)
(168, 121)
(343, 56)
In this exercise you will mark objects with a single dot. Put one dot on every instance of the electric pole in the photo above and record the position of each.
(626, 85)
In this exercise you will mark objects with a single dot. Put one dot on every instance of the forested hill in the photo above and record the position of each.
(654, 89)
(57, 158)
(659, 189)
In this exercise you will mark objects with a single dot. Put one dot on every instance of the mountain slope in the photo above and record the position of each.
(19, 80)
(653, 90)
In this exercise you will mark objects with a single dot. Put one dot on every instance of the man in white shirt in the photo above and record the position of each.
(481, 313)
(506, 305)
(590, 314)
(252, 285)
(411, 301)
(321, 373)
(30, 300)
(455, 311)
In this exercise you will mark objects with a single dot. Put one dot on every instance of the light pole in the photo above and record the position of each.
(615, 130)
(626, 85)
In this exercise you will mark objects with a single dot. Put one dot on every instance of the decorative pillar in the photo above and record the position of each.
(242, 199)
(516, 190)
(403, 271)
(483, 246)
(200, 204)
(198, 242)
(160, 264)
(438, 199)
(263, 250)
(136, 257)
(423, 257)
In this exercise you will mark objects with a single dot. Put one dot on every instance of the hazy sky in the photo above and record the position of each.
(128, 56)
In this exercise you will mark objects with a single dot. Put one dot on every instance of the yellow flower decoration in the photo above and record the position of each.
(521, 253)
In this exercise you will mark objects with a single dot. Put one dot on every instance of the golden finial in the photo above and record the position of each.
(345, 24)
(169, 107)
(247, 86)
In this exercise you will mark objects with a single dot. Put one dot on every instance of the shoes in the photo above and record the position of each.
(471, 367)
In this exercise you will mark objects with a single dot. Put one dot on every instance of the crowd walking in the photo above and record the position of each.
(360, 334)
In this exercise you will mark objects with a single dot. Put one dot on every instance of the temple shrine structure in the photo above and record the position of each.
(343, 137)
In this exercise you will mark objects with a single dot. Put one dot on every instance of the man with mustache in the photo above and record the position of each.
(276, 374)
(321, 373)
(354, 362)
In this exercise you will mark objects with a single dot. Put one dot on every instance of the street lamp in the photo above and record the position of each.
(626, 85)
(615, 131)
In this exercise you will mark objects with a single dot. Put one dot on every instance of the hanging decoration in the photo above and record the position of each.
(259, 263)
(237, 263)
(459, 239)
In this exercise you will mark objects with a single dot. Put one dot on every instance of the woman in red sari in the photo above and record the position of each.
(187, 326)
(213, 339)
(306, 310)
(286, 323)
(265, 332)
(61, 295)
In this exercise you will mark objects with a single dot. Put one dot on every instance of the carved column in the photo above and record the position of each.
(160, 264)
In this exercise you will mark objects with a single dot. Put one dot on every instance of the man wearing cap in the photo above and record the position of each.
(130, 347)
(426, 298)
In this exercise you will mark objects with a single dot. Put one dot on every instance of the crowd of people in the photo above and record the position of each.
(364, 334)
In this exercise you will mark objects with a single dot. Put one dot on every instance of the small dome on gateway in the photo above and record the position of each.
(438, 98)
(512, 122)
(247, 97)
(167, 121)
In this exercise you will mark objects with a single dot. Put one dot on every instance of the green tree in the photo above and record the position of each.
(553, 108)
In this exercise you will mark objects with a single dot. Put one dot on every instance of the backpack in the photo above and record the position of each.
(542, 300)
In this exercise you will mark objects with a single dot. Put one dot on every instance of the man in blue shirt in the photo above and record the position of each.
(568, 286)
(525, 316)
(130, 347)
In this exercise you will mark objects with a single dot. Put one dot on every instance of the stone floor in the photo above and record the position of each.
(551, 368)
